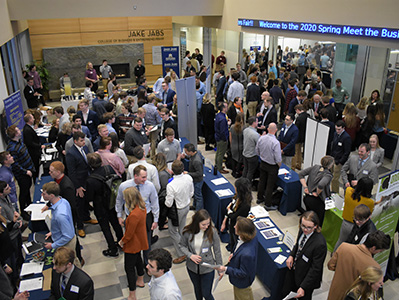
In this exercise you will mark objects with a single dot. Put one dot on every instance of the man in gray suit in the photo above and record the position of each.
(359, 166)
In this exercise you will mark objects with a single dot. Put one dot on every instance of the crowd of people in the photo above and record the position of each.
(120, 156)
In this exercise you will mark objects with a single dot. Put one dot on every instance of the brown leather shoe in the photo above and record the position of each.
(91, 221)
(81, 233)
(179, 260)
(223, 172)
(82, 262)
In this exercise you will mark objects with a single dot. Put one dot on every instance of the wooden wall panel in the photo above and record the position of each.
(39, 42)
(149, 22)
(103, 24)
(53, 26)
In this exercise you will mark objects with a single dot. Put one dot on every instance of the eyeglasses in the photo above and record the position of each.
(306, 227)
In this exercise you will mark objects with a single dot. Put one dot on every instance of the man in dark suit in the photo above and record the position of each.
(220, 87)
(300, 122)
(340, 150)
(68, 281)
(89, 118)
(288, 137)
(267, 116)
(306, 259)
(78, 171)
(32, 142)
(167, 95)
(332, 112)
(31, 96)
(297, 100)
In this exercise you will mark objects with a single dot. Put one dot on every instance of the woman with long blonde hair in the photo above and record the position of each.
(366, 286)
(135, 239)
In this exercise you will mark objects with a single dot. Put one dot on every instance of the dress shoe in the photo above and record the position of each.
(192, 207)
(154, 239)
(259, 201)
(81, 233)
(82, 262)
(224, 172)
(24, 238)
(271, 207)
(179, 260)
(110, 253)
(200, 142)
(91, 221)
(208, 148)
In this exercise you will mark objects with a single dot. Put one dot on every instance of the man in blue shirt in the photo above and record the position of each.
(6, 175)
(62, 229)
(150, 197)
(221, 136)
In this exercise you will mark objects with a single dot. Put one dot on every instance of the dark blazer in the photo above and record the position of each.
(332, 112)
(253, 93)
(67, 191)
(79, 281)
(309, 265)
(341, 147)
(220, 89)
(169, 98)
(78, 169)
(32, 142)
(30, 98)
(300, 122)
(92, 122)
(242, 266)
(289, 138)
(292, 105)
(270, 118)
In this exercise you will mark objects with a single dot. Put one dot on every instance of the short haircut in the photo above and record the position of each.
(100, 94)
(94, 160)
(221, 72)
(76, 126)
(365, 145)
(378, 239)
(338, 80)
(324, 113)
(108, 116)
(75, 117)
(167, 79)
(177, 167)
(245, 229)
(221, 106)
(190, 147)
(251, 120)
(141, 110)
(165, 110)
(169, 132)
(327, 161)
(275, 82)
(63, 256)
(12, 131)
(138, 152)
(292, 82)
(88, 83)
(292, 116)
(162, 257)
(101, 127)
(77, 135)
(3, 156)
(302, 94)
(235, 76)
(325, 99)
(59, 110)
(27, 118)
(142, 80)
(340, 123)
(151, 97)
(59, 166)
(84, 101)
(138, 169)
(254, 79)
(3, 185)
(299, 107)
(51, 187)
(138, 120)
(105, 141)
(361, 212)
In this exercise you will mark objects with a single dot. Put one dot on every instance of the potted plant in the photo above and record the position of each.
(44, 76)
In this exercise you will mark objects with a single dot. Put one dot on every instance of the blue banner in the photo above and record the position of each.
(170, 59)
(14, 110)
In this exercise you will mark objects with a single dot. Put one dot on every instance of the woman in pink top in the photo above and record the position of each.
(109, 158)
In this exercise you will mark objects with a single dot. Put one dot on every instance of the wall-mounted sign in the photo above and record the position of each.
(170, 59)
(330, 29)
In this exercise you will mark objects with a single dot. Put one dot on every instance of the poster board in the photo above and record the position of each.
(14, 110)
(316, 141)
(157, 55)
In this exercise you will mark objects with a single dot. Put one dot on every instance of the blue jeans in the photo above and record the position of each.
(198, 199)
(202, 284)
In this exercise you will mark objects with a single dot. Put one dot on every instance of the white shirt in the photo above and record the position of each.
(180, 189)
(164, 287)
(152, 173)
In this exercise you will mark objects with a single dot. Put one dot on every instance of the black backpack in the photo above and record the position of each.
(111, 185)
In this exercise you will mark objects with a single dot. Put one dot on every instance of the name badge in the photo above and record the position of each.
(305, 258)
(342, 91)
(356, 237)
(142, 132)
(340, 144)
(90, 121)
(166, 149)
(74, 289)
(282, 129)
(205, 250)
(365, 172)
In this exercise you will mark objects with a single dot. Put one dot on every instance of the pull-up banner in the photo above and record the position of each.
(319, 28)
(14, 110)
(170, 59)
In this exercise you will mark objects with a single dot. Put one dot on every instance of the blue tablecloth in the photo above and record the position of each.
(291, 199)
(271, 274)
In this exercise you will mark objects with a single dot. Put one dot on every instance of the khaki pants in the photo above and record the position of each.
(243, 294)
(335, 180)
(252, 108)
(105, 83)
(72, 245)
(297, 159)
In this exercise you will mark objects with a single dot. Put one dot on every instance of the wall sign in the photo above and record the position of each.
(329, 29)
(170, 59)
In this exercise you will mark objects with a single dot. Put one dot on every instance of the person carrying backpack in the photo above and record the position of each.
(102, 185)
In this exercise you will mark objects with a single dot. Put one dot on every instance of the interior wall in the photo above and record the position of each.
(376, 70)
(151, 31)
(194, 39)
(3, 95)
(6, 32)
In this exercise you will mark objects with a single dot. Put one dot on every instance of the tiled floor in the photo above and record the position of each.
(110, 279)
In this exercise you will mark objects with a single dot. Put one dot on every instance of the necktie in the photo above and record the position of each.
(83, 154)
(138, 187)
(360, 164)
(298, 253)
(64, 282)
